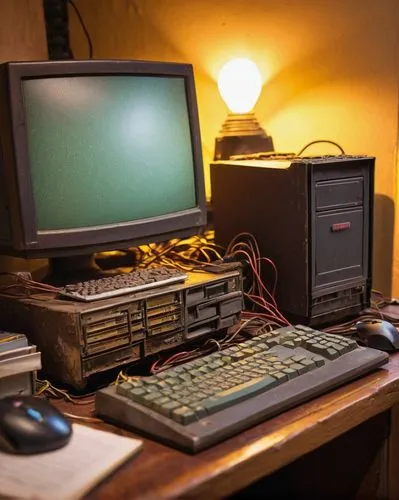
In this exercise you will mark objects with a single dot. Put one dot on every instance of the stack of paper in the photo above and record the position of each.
(67, 473)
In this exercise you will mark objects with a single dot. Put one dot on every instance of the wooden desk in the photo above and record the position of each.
(161, 472)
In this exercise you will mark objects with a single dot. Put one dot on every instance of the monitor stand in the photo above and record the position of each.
(66, 270)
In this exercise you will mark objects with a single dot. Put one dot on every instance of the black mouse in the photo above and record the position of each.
(31, 425)
(379, 334)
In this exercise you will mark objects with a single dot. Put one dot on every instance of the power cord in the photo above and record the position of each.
(79, 16)
(276, 155)
(320, 141)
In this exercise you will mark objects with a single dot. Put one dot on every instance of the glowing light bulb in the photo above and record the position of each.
(240, 84)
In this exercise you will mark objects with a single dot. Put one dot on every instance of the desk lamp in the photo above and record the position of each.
(240, 85)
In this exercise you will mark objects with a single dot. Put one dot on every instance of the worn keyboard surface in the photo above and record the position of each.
(200, 403)
(121, 284)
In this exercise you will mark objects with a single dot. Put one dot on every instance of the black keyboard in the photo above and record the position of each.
(121, 284)
(204, 401)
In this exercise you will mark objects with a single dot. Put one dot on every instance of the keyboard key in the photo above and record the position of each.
(310, 363)
(318, 360)
(279, 376)
(298, 358)
(157, 403)
(299, 368)
(331, 353)
(238, 393)
(137, 394)
(290, 372)
(124, 388)
(184, 415)
(148, 399)
(200, 411)
(289, 343)
(167, 408)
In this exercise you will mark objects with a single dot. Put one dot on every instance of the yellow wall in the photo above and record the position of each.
(330, 69)
(22, 32)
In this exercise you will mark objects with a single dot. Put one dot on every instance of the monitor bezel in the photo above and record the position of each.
(28, 240)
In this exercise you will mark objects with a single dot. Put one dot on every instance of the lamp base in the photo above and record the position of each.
(241, 135)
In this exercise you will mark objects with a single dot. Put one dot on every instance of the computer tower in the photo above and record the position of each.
(79, 340)
(313, 217)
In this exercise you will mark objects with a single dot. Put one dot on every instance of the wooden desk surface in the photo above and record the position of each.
(161, 472)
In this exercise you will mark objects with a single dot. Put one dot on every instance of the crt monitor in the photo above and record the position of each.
(97, 155)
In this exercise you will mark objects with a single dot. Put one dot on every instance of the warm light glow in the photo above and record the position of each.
(240, 84)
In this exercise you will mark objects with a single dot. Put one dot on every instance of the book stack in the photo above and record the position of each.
(18, 364)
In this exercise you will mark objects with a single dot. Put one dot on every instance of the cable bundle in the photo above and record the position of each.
(186, 254)
(24, 286)
(245, 247)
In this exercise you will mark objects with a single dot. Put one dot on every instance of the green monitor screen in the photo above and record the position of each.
(107, 150)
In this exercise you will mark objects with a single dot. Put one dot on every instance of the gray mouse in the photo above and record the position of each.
(379, 334)
(31, 425)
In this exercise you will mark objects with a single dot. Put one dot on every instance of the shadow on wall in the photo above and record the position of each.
(383, 241)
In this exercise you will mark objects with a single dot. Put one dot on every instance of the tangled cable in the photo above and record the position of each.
(187, 254)
(22, 286)
(245, 247)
